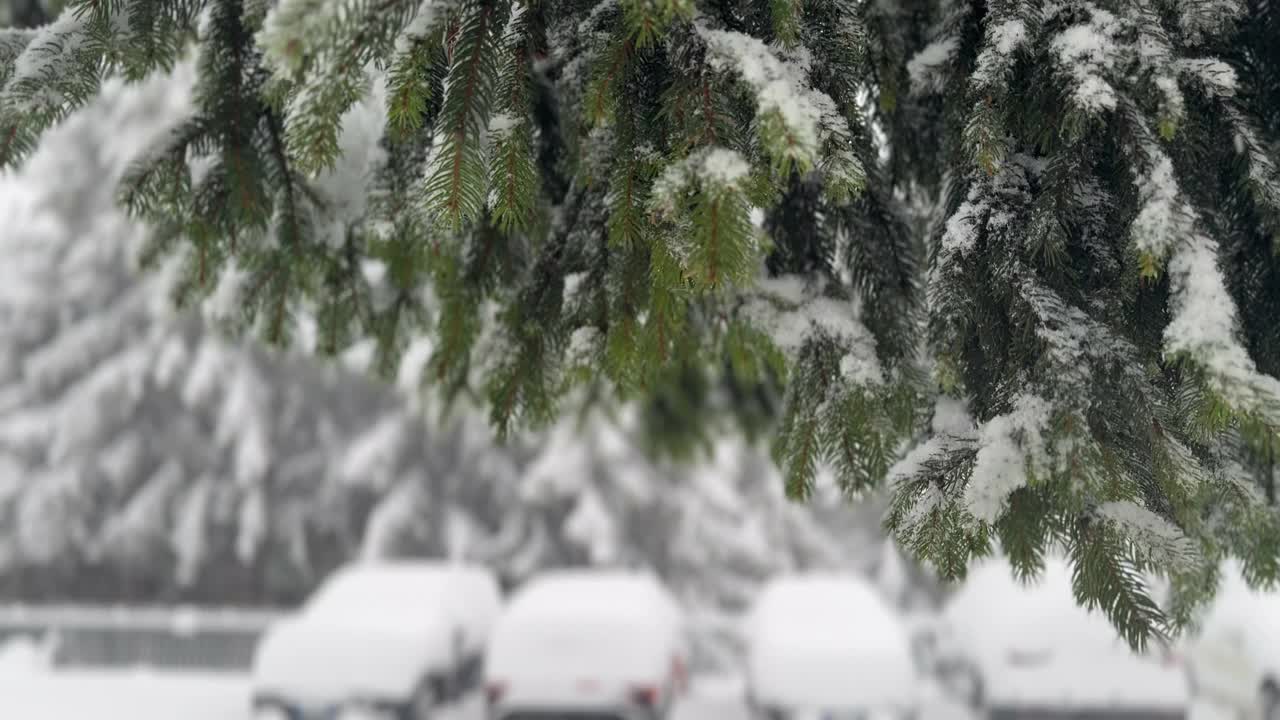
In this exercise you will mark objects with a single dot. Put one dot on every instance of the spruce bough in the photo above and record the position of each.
(1019, 260)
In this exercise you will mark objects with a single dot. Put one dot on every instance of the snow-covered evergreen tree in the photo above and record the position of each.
(144, 456)
(147, 458)
(715, 529)
(1103, 290)
(701, 205)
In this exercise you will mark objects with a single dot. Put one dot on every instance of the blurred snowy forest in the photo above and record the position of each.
(143, 457)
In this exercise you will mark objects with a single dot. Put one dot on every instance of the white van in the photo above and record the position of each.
(828, 646)
(1037, 653)
(398, 639)
(604, 645)
(1235, 652)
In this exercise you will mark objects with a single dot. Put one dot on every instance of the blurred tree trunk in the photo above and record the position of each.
(28, 13)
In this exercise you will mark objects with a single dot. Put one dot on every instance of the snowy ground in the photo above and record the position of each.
(145, 695)
(122, 695)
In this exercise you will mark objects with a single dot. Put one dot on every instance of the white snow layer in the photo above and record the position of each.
(1214, 75)
(1204, 325)
(502, 124)
(1087, 52)
(811, 635)
(724, 167)
(927, 68)
(1002, 41)
(789, 313)
(1162, 221)
(617, 628)
(346, 187)
(289, 27)
(377, 628)
(781, 87)
(719, 167)
(1036, 646)
(49, 56)
(1010, 446)
(1148, 530)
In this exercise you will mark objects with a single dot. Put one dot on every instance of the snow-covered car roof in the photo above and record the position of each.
(594, 595)
(407, 588)
(829, 611)
(608, 624)
(829, 640)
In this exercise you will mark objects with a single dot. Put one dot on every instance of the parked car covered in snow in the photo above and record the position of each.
(828, 647)
(603, 645)
(1036, 653)
(397, 640)
(1235, 652)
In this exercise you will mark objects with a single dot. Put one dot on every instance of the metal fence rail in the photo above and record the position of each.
(176, 638)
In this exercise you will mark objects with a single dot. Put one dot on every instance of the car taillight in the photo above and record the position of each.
(493, 692)
(646, 695)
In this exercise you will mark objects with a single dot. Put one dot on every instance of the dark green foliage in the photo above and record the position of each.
(1067, 267)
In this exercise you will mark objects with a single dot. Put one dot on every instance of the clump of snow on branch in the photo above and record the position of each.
(1163, 219)
(1009, 446)
(423, 20)
(1169, 546)
(724, 167)
(51, 55)
(1214, 75)
(781, 89)
(1204, 324)
(1207, 18)
(1003, 40)
(716, 168)
(1086, 52)
(951, 427)
(928, 67)
(289, 28)
(1264, 172)
(583, 345)
(961, 233)
(501, 125)
(346, 187)
(790, 313)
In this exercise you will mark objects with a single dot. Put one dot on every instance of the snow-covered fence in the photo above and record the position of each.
(176, 638)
